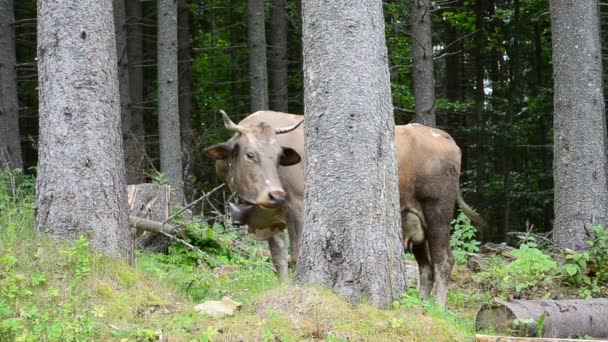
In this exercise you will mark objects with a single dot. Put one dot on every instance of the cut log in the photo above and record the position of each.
(546, 318)
(476, 262)
(487, 338)
(498, 249)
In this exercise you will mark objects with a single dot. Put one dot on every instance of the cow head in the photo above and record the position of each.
(250, 162)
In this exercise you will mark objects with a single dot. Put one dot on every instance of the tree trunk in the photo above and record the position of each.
(185, 93)
(258, 86)
(168, 111)
(235, 40)
(560, 318)
(479, 98)
(352, 241)
(135, 153)
(581, 196)
(132, 153)
(278, 57)
(81, 186)
(422, 61)
(453, 81)
(10, 140)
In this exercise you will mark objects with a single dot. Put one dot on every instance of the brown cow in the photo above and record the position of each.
(257, 166)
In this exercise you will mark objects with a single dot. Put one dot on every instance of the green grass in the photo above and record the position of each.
(61, 291)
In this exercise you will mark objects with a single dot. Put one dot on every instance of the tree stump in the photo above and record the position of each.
(150, 201)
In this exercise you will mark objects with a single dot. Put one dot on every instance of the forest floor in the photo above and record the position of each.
(60, 291)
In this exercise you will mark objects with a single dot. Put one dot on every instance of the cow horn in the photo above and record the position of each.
(231, 126)
(287, 129)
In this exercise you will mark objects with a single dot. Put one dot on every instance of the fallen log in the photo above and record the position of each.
(546, 318)
(487, 338)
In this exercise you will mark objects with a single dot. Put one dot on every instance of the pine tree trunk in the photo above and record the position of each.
(479, 99)
(134, 154)
(185, 92)
(81, 187)
(258, 87)
(453, 80)
(168, 111)
(278, 57)
(352, 240)
(422, 61)
(10, 140)
(581, 197)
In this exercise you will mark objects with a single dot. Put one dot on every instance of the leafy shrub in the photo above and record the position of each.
(530, 269)
(463, 240)
(588, 270)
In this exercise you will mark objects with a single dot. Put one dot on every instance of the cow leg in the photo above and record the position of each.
(295, 223)
(421, 252)
(438, 215)
(278, 253)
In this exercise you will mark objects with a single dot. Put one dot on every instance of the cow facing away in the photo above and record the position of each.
(261, 165)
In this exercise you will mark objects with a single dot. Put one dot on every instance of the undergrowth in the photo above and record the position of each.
(61, 291)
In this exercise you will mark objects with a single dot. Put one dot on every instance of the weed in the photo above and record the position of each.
(463, 240)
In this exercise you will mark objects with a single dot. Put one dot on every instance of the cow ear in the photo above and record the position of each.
(289, 157)
(221, 151)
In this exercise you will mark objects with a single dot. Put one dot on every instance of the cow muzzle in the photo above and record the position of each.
(272, 199)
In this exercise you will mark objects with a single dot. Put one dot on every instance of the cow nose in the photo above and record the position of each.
(277, 196)
(274, 198)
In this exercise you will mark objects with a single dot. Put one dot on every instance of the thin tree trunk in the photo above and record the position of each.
(278, 57)
(352, 241)
(234, 60)
(479, 98)
(168, 111)
(453, 61)
(258, 87)
(422, 62)
(134, 155)
(81, 187)
(581, 197)
(513, 90)
(185, 93)
(10, 140)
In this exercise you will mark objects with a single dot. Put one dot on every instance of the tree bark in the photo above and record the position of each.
(132, 152)
(278, 57)
(81, 186)
(185, 93)
(258, 86)
(422, 62)
(560, 318)
(352, 240)
(168, 111)
(10, 140)
(135, 152)
(581, 197)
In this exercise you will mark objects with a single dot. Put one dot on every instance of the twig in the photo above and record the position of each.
(193, 203)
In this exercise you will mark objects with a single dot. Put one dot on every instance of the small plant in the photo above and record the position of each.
(209, 335)
(78, 257)
(463, 240)
(160, 179)
(588, 270)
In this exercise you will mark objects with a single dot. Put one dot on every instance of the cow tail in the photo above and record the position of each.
(479, 222)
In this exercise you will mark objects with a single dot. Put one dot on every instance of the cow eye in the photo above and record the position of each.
(250, 155)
